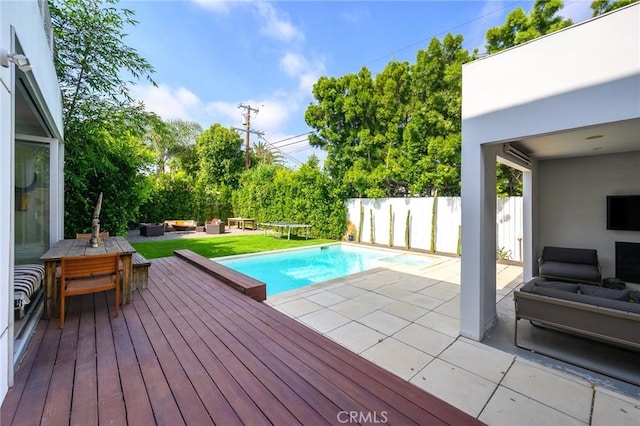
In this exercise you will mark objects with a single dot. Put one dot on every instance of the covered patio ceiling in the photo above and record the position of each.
(610, 138)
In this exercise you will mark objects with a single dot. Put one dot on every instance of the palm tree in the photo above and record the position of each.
(266, 154)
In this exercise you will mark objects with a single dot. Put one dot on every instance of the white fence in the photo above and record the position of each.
(446, 216)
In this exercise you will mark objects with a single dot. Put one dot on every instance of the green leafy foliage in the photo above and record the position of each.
(172, 197)
(272, 193)
(520, 27)
(221, 157)
(397, 134)
(600, 7)
(102, 124)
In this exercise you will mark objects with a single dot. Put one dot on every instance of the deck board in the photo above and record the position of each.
(192, 350)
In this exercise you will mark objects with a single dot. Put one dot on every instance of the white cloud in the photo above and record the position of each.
(168, 102)
(307, 72)
(215, 6)
(272, 23)
(293, 64)
(356, 15)
(276, 24)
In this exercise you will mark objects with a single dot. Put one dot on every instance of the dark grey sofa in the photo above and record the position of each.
(599, 313)
(570, 264)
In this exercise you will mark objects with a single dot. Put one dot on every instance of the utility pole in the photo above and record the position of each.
(247, 122)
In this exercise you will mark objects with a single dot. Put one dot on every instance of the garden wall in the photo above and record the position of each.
(422, 216)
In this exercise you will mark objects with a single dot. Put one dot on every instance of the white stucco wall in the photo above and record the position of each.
(557, 82)
(26, 18)
(6, 191)
(582, 76)
(573, 210)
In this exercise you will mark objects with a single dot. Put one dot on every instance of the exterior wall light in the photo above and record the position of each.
(21, 61)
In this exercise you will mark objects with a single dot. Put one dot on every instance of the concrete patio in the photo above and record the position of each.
(406, 318)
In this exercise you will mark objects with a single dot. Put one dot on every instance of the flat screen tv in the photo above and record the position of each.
(623, 212)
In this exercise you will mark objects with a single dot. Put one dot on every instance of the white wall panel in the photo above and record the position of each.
(508, 220)
(530, 89)
(572, 209)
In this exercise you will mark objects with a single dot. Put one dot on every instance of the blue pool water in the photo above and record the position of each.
(292, 269)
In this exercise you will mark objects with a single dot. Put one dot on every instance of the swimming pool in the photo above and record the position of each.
(291, 269)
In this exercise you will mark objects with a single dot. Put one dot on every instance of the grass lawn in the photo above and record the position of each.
(223, 246)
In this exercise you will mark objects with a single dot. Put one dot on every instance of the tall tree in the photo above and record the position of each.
(103, 124)
(263, 153)
(600, 7)
(433, 135)
(183, 152)
(92, 60)
(520, 27)
(173, 143)
(397, 134)
(221, 157)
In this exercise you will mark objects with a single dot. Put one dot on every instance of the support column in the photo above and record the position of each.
(478, 268)
(529, 240)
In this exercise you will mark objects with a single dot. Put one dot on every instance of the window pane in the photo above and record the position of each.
(32, 215)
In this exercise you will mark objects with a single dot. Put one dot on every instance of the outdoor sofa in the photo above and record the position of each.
(590, 311)
(570, 264)
(180, 225)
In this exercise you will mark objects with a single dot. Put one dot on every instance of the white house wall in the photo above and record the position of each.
(6, 246)
(555, 83)
(581, 76)
(573, 211)
(26, 18)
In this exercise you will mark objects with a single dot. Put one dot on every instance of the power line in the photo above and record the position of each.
(293, 143)
(391, 54)
(293, 137)
(281, 151)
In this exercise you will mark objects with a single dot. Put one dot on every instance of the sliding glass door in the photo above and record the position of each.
(32, 200)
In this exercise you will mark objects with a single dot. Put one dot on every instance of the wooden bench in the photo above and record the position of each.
(253, 288)
(140, 278)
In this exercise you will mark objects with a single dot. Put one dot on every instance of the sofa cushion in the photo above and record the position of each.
(570, 287)
(606, 293)
(570, 255)
(572, 271)
(589, 300)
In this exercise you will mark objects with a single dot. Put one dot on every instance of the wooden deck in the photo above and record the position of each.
(191, 350)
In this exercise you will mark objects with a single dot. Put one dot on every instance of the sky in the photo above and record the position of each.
(212, 56)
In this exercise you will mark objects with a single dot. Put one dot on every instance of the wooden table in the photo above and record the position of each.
(241, 222)
(82, 248)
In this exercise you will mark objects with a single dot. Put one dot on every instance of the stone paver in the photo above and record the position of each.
(407, 320)
(397, 357)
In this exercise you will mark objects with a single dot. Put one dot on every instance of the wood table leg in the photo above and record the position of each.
(127, 266)
(50, 290)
